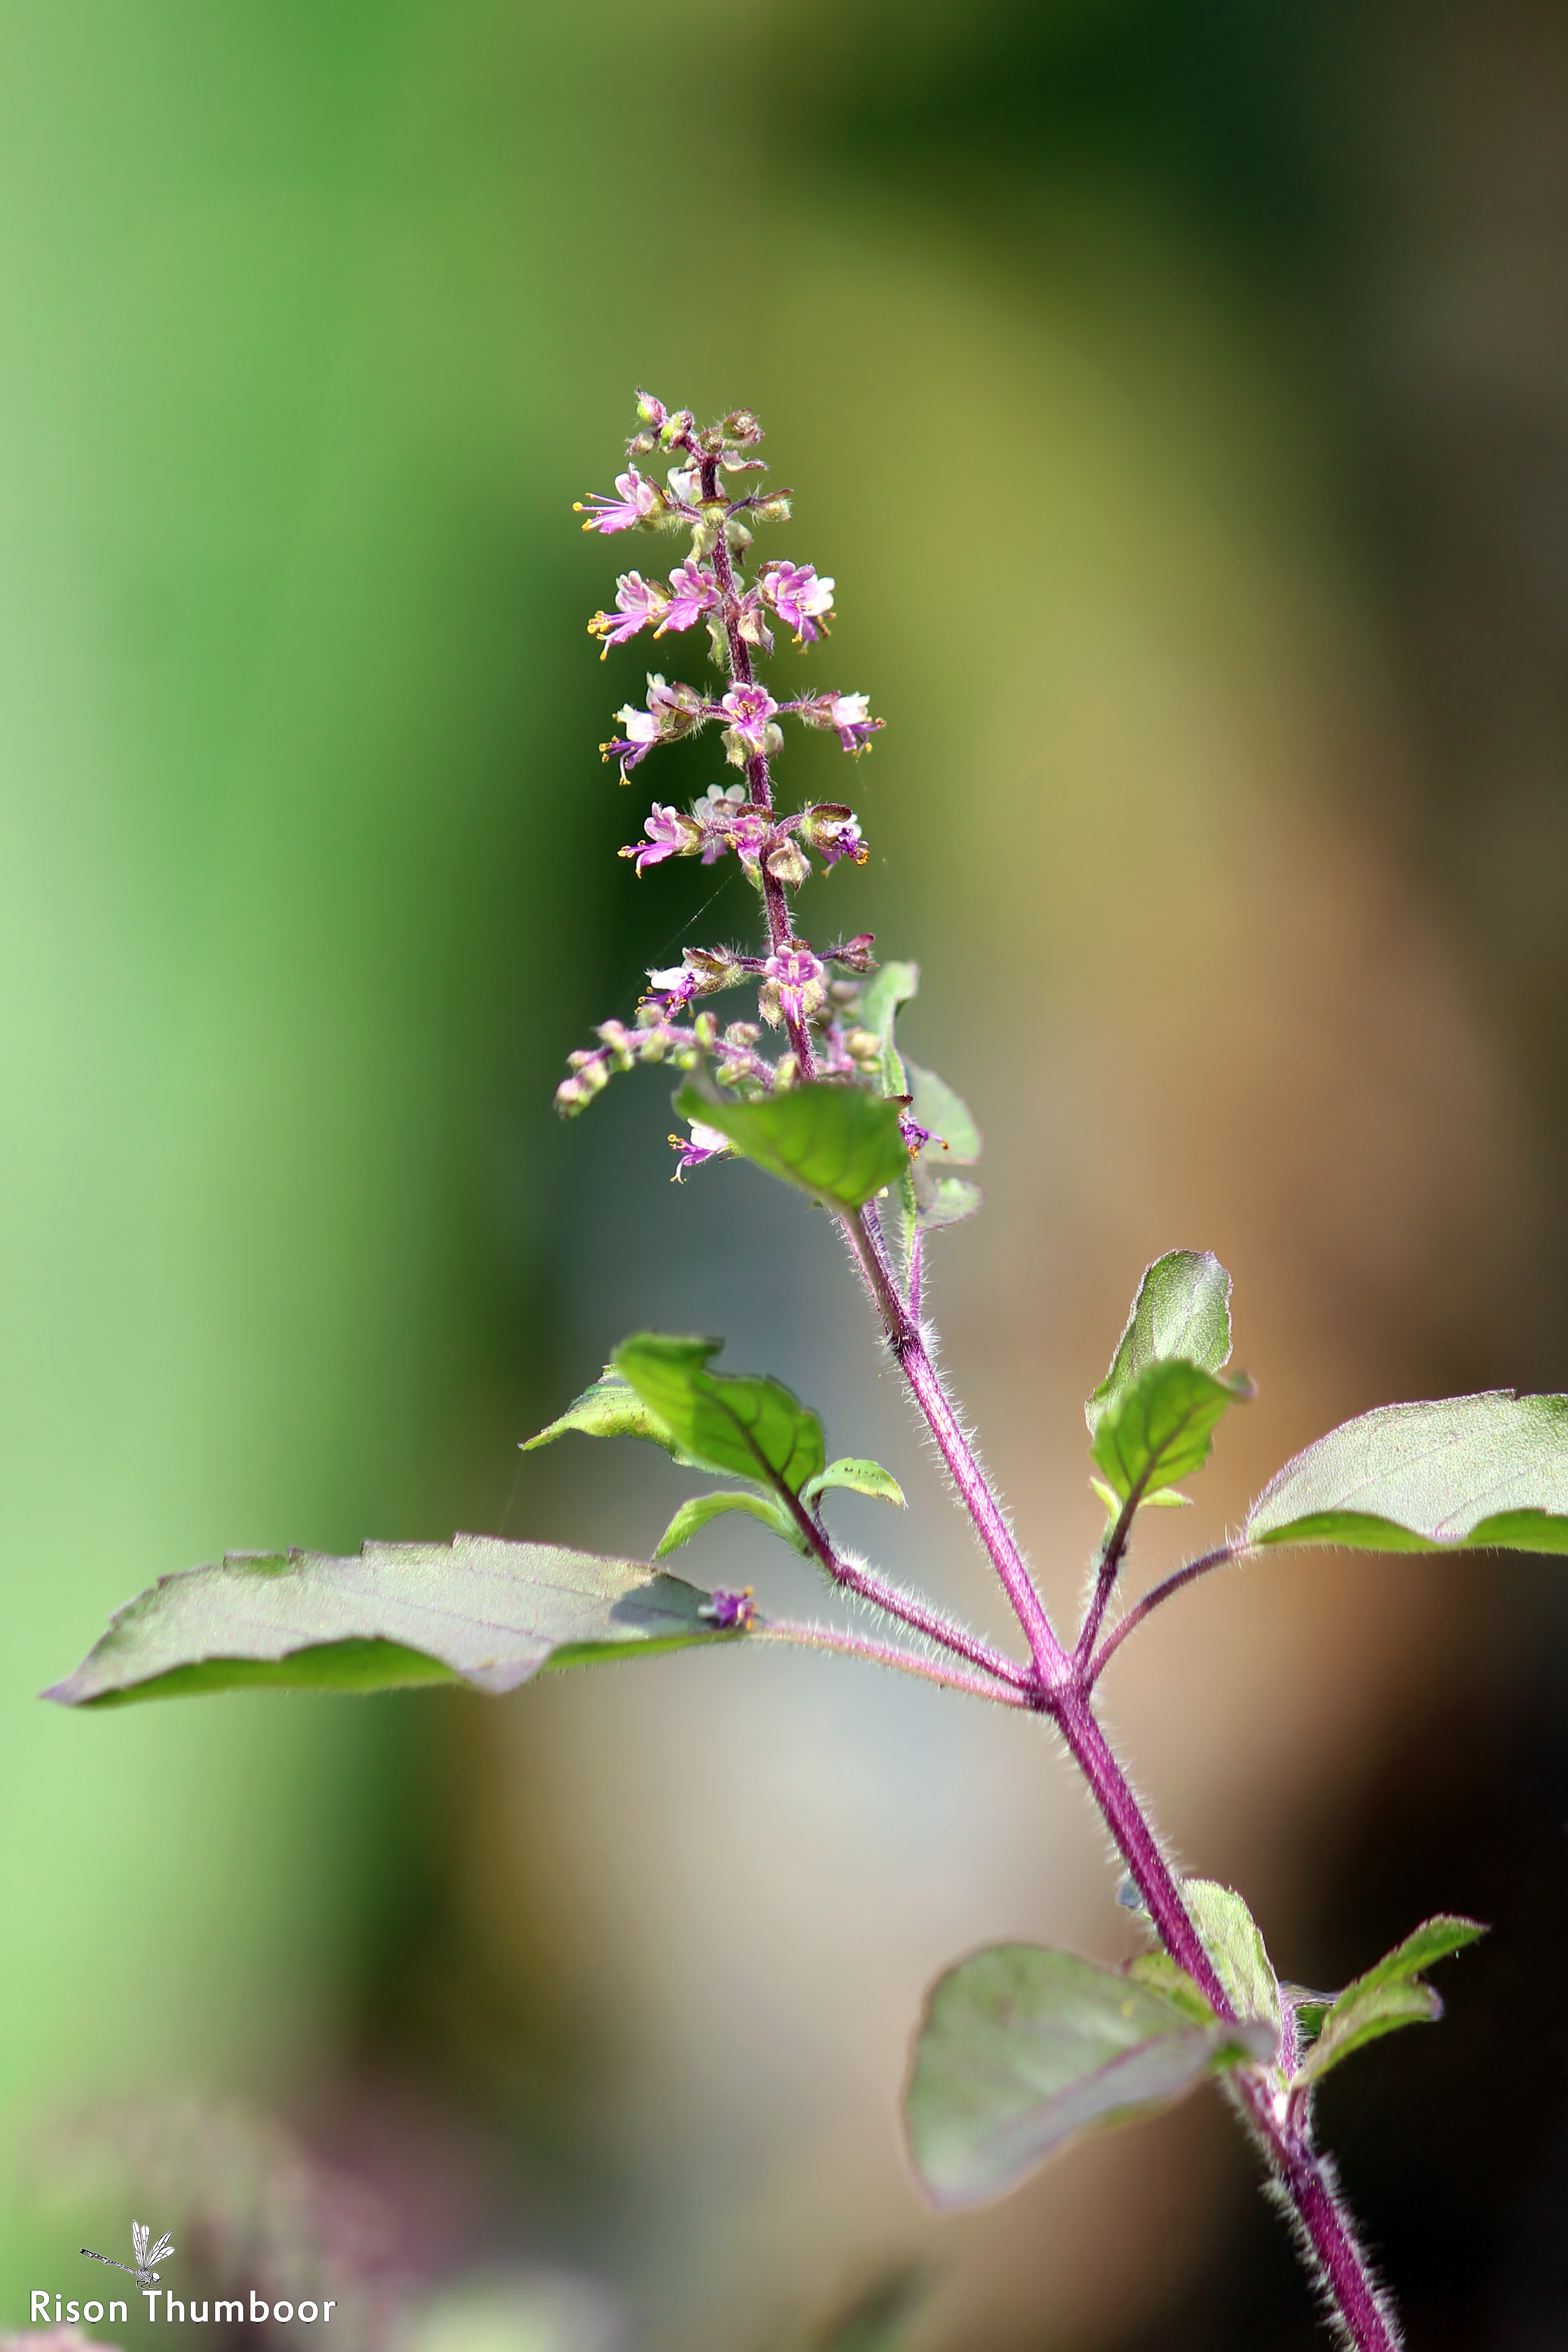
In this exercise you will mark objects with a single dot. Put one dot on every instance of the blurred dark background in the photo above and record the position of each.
(1180, 398)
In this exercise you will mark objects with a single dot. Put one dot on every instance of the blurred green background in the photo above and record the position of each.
(1180, 396)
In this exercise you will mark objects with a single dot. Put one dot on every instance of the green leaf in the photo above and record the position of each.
(935, 1106)
(744, 1427)
(1164, 1975)
(888, 988)
(1487, 1472)
(1231, 1939)
(1022, 2047)
(1388, 1996)
(1182, 1311)
(940, 1200)
(476, 1610)
(842, 1144)
(860, 1477)
(1162, 1427)
(697, 1512)
(611, 1408)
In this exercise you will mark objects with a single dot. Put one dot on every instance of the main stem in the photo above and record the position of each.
(1064, 1685)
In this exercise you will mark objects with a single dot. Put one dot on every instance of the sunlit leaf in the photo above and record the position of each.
(697, 1512)
(1230, 1936)
(476, 1610)
(748, 1427)
(860, 1478)
(1390, 1995)
(842, 1144)
(611, 1408)
(1181, 1312)
(1487, 1472)
(1022, 2047)
(946, 1114)
(1160, 1427)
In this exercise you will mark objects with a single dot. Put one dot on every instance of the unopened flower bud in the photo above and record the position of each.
(774, 510)
(705, 1030)
(641, 443)
(786, 1072)
(622, 1046)
(652, 412)
(742, 1034)
(742, 428)
(863, 1046)
(570, 1099)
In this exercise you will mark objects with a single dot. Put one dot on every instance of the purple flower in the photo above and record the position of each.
(699, 972)
(669, 834)
(672, 711)
(798, 597)
(640, 501)
(750, 711)
(638, 602)
(694, 593)
(728, 820)
(845, 713)
(834, 832)
(705, 1143)
(793, 988)
(726, 1608)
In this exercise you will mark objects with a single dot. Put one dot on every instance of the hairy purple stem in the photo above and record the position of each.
(909, 1610)
(1151, 1600)
(1064, 1693)
(1051, 1663)
(888, 1654)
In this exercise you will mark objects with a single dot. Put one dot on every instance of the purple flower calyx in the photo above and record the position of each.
(725, 1607)
(834, 832)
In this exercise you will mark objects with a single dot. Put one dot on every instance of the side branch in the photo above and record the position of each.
(1052, 1664)
(1220, 1557)
(889, 1654)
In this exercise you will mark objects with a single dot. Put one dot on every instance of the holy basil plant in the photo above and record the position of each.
(1022, 2047)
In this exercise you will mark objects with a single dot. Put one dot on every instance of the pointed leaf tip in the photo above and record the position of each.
(1181, 1311)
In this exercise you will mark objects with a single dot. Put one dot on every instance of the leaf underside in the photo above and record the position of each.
(842, 1144)
(1022, 2047)
(1487, 1472)
(476, 1610)
(1181, 1313)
